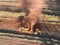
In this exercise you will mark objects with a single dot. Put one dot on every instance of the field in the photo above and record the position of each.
(8, 20)
(15, 39)
(5, 14)
(5, 40)
(10, 14)
(9, 26)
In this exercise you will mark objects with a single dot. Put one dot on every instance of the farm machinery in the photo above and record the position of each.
(42, 28)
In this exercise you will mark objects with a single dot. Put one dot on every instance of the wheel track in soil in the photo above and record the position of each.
(15, 39)
(6, 40)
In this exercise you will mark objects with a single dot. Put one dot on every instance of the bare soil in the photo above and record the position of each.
(14, 25)
(9, 24)
(5, 40)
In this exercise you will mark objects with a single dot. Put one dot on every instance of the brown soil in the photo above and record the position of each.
(9, 24)
(5, 40)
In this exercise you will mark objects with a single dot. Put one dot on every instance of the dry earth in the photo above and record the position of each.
(5, 40)
(9, 24)
(13, 24)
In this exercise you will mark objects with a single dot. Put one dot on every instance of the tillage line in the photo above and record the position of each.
(30, 37)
